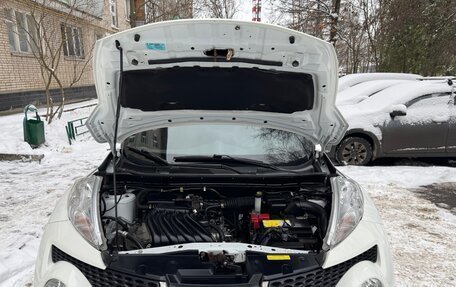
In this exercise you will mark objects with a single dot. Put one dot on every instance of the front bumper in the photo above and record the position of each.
(343, 266)
(316, 276)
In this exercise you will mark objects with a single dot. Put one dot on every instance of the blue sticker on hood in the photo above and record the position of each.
(156, 46)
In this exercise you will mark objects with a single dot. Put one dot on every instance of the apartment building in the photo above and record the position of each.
(65, 34)
(150, 11)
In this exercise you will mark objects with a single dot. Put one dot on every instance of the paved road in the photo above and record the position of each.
(441, 194)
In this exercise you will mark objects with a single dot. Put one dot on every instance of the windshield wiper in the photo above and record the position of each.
(151, 156)
(162, 162)
(228, 159)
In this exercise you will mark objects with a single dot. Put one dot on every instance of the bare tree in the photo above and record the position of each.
(315, 17)
(352, 26)
(352, 44)
(226, 9)
(272, 12)
(372, 11)
(334, 19)
(151, 11)
(48, 30)
(285, 147)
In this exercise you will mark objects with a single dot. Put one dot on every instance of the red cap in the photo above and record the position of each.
(256, 219)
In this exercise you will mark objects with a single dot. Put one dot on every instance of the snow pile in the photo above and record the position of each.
(55, 134)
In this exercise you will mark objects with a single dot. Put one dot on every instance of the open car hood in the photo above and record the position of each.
(216, 71)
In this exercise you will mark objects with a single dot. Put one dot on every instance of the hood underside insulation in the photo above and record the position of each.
(214, 88)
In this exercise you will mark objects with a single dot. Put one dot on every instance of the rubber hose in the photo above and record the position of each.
(298, 207)
(124, 225)
(139, 200)
(134, 240)
(239, 202)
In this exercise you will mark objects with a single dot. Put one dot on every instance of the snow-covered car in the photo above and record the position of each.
(415, 119)
(220, 178)
(352, 80)
(364, 90)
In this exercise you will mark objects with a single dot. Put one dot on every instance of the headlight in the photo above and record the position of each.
(372, 282)
(83, 209)
(54, 283)
(348, 208)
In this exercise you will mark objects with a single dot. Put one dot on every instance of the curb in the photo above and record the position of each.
(21, 157)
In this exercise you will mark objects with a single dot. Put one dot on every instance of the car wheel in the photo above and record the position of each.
(354, 151)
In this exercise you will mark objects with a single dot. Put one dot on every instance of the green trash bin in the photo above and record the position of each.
(33, 128)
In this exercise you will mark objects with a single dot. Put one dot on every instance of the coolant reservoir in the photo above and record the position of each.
(125, 207)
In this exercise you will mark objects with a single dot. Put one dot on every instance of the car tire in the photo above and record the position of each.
(354, 151)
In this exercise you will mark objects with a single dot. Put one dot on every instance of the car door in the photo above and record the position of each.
(422, 131)
(451, 140)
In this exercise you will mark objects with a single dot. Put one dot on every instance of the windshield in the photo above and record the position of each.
(263, 144)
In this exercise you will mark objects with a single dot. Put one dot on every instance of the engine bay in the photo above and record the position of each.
(295, 218)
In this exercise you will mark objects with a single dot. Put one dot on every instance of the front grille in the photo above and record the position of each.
(318, 277)
(324, 277)
(103, 278)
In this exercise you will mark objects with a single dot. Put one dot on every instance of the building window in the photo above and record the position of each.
(72, 45)
(127, 9)
(22, 31)
(144, 137)
(155, 140)
(113, 11)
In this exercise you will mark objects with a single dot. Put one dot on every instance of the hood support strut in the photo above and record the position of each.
(113, 146)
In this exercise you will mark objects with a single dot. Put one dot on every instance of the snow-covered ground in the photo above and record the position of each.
(29, 190)
(421, 234)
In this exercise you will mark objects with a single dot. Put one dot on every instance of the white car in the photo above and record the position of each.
(221, 178)
(364, 90)
(352, 80)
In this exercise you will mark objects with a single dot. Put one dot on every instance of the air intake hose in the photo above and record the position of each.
(239, 202)
(299, 207)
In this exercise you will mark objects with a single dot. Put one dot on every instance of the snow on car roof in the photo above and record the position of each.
(371, 113)
(402, 93)
(357, 93)
(353, 79)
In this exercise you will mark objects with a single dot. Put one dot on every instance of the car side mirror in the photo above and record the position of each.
(398, 110)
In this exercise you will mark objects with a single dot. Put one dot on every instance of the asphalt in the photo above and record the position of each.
(442, 195)
(430, 161)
